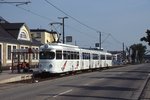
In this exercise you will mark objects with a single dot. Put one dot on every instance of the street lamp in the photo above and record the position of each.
(63, 27)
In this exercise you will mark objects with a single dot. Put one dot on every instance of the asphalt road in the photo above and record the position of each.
(122, 83)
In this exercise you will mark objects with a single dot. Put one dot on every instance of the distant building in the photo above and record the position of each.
(147, 58)
(15, 36)
(117, 57)
(44, 36)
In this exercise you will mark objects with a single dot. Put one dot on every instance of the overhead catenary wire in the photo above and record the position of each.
(105, 38)
(117, 41)
(32, 12)
(87, 26)
(71, 16)
(46, 18)
(90, 35)
(77, 30)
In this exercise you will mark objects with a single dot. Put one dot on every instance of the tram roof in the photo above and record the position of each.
(58, 45)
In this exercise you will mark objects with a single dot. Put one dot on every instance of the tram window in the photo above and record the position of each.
(47, 55)
(72, 55)
(102, 57)
(77, 55)
(65, 55)
(89, 56)
(86, 55)
(68, 54)
(83, 55)
(95, 56)
(109, 57)
(58, 54)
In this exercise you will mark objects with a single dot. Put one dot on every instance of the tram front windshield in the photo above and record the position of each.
(47, 55)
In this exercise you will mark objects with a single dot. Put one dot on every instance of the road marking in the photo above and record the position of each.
(62, 93)
(86, 84)
(101, 79)
(120, 72)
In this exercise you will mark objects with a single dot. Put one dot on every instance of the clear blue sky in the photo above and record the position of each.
(125, 20)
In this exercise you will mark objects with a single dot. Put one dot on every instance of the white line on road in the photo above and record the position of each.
(101, 79)
(62, 93)
(86, 84)
(89, 83)
(120, 72)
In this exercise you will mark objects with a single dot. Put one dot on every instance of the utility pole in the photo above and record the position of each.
(100, 43)
(63, 24)
(123, 54)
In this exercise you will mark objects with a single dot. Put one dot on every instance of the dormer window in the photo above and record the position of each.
(23, 35)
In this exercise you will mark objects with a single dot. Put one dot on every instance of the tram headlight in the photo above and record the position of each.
(50, 65)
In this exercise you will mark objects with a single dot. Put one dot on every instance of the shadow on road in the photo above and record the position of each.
(119, 78)
(113, 88)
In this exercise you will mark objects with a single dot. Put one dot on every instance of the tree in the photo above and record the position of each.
(128, 56)
(138, 51)
(147, 38)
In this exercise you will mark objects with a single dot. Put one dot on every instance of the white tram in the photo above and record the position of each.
(61, 58)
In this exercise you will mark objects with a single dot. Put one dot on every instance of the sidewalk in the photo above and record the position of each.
(7, 76)
(146, 92)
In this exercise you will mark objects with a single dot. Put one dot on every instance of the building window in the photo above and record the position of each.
(15, 55)
(22, 54)
(26, 55)
(32, 35)
(14, 47)
(37, 54)
(9, 52)
(38, 35)
(33, 55)
(23, 35)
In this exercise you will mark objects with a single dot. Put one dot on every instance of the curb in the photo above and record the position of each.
(140, 91)
(17, 78)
